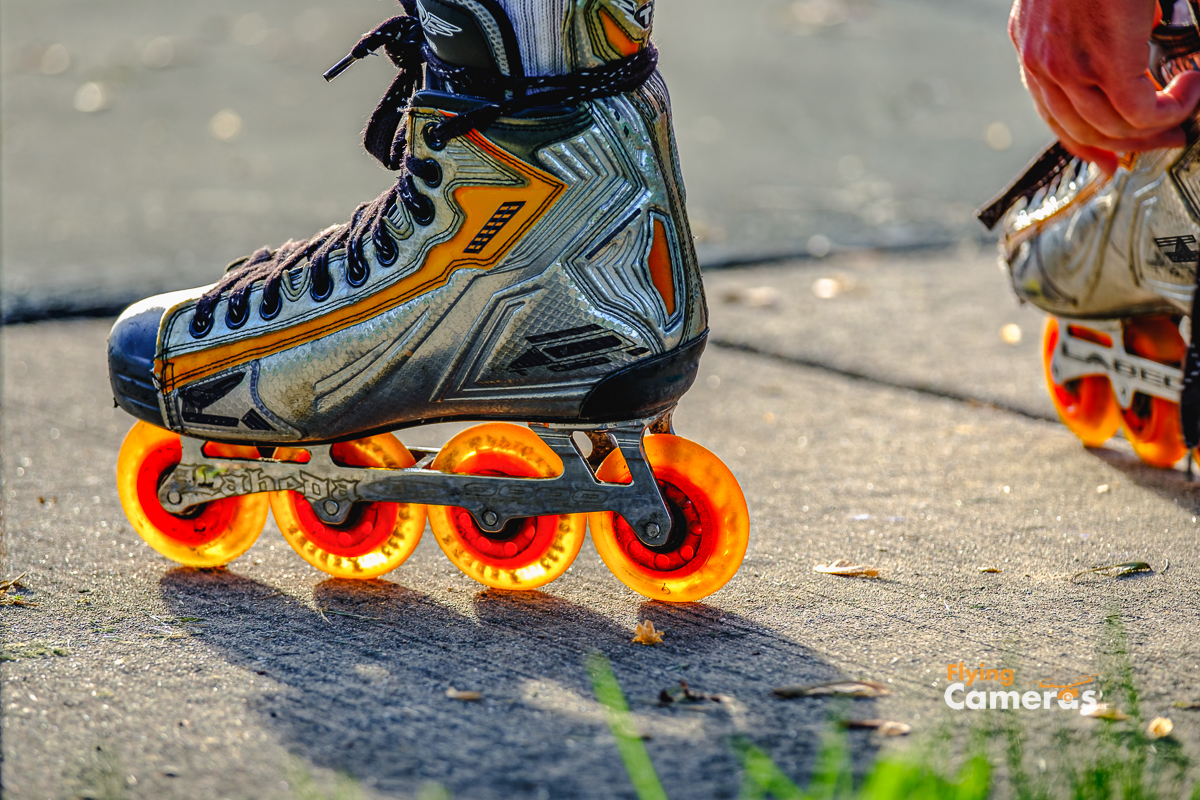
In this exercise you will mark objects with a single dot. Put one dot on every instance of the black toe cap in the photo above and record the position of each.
(132, 345)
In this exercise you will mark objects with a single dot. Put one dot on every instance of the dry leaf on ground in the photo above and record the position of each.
(1187, 704)
(1160, 727)
(886, 727)
(992, 570)
(847, 569)
(645, 633)
(1105, 711)
(684, 694)
(1116, 570)
(466, 697)
(839, 688)
(14, 583)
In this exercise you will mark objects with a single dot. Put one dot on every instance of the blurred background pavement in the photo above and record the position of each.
(147, 144)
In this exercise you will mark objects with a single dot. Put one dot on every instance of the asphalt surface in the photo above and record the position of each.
(881, 407)
(247, 683)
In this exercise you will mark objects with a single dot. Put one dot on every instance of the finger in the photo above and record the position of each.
(1065, 116)
(1138, 102)
(1106, 160)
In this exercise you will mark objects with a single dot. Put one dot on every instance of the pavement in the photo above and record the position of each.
(881, 404)
(860, 122)
(252, 681)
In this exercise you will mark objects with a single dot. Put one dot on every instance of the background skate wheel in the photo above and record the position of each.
(211, 535)
(375, 538)
(528, 553)
(710, 524)
(1085, 405)
(1152, 424)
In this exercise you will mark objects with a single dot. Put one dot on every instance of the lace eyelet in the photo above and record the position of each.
(323, 293)
(275, 299)
(200, 325)
(426, 213)
(357, 272)
(429, 133)
(237, 312)
(386, 251)
(436, 174)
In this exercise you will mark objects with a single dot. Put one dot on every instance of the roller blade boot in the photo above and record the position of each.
(532, 270)
(1113, 261)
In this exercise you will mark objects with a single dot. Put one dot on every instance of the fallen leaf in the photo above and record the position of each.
(1117, 570)
(1187, 704)
(847, 569)
(992, 570)
(466, 697)
(839, 688)
(1160, 727)
(683, 693)
(14, 583)
(1105, 711)
(886, 727)
(645, 633)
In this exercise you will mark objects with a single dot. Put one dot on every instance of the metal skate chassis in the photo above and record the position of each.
(1078, 358)
(493, 502)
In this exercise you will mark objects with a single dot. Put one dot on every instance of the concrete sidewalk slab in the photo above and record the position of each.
(230, 684)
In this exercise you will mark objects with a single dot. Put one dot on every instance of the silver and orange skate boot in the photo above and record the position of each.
(1113, 260)
(532, 264)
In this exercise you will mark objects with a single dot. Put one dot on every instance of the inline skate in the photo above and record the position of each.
(1113, 260)
(531, 270)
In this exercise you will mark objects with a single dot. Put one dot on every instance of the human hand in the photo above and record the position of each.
(1085, 65)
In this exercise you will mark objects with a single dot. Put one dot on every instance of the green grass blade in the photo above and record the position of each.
(632, 749)
(762, 776)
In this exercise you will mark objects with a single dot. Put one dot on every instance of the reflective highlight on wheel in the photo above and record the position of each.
(527, 553)
(376, 537)
(211, 535)
(710, 524)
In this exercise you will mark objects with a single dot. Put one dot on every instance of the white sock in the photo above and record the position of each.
(539, 28)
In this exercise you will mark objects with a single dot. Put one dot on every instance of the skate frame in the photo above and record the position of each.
(493, 502)
(1078, 358)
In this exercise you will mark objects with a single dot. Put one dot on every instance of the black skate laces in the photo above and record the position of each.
(403, 40)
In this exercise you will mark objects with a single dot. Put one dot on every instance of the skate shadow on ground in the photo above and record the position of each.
(1169, 484)
(362, 687)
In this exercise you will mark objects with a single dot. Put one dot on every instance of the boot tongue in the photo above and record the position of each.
(471, 33)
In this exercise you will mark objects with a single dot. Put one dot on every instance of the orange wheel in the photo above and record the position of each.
(375, 538)
(1152, 424)
(211, 535)
(527, 553)
(710, 524)
(1085, 405)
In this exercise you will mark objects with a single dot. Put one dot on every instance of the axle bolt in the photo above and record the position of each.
(175, 498)
(490, 518)
(652, 531)
(331, 507)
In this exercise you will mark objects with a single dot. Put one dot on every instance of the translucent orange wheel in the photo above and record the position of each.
(1151, 424)
(375, 538)
(1085, 405)
(527, 553)
(211, 535)
(710, 524)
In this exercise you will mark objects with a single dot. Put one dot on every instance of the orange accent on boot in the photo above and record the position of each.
(662, 272)
(617, 36)
(496, 217)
